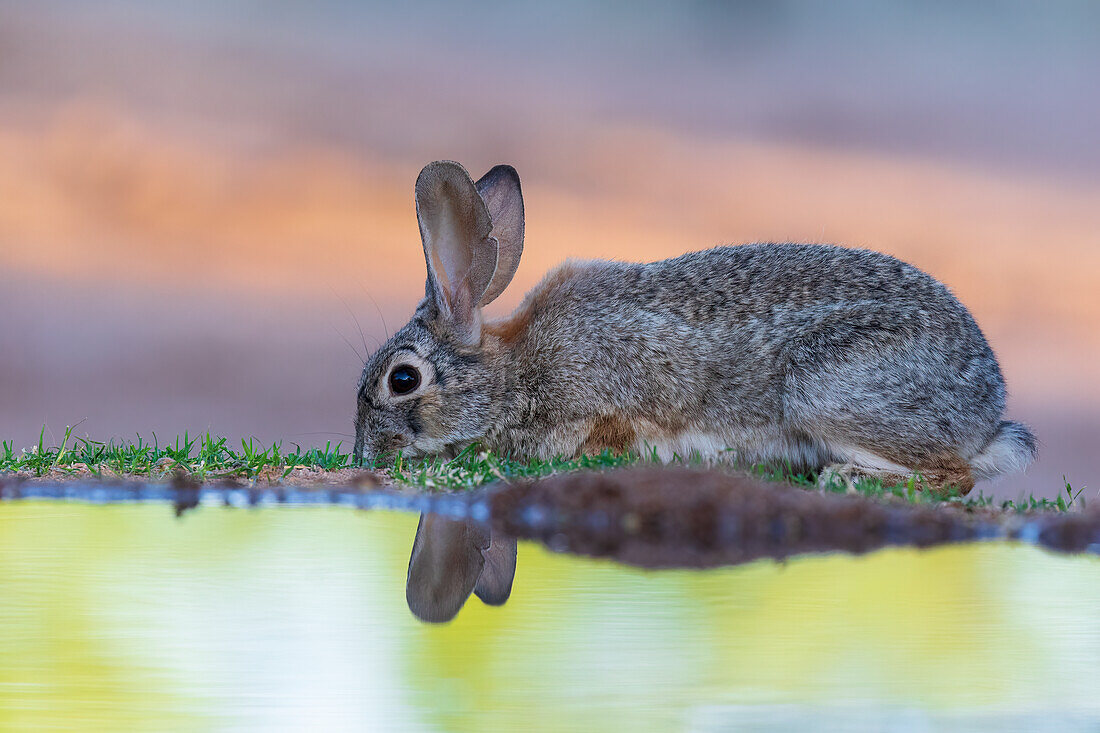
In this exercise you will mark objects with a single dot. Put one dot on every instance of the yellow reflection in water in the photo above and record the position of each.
(124, 617)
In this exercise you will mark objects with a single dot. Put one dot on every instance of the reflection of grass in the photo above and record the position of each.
(208, 457)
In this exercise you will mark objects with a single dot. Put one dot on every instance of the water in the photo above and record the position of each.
(125, 617)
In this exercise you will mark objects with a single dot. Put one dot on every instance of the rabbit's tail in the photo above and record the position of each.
(1010, 450)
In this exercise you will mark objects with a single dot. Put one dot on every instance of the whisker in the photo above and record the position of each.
(379, 311)
(362, 336)
(350, 344)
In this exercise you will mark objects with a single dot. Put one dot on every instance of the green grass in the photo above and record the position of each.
(207, 457)
(203, 457)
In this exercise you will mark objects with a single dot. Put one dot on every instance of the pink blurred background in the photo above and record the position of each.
(202, 203)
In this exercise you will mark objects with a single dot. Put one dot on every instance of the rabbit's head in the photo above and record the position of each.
(430, 389)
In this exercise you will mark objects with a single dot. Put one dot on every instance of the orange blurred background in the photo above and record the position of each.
(201, 206)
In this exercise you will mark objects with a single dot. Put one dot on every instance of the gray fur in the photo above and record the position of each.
(809, 354)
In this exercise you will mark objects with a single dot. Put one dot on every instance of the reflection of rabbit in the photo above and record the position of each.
(452, 558)
(808, 354)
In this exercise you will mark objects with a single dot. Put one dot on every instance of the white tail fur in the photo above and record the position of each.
(1011, 449)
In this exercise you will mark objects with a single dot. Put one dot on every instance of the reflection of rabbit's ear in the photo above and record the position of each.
(495, 584)
(499, 188)
(445, 564)
(460, 254)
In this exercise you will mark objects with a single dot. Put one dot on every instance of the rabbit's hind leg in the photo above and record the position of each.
(938, 477)
(857, 464)
(885, 398)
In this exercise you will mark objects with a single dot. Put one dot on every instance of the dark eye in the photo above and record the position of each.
(404, 379)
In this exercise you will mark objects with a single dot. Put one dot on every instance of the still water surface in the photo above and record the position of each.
(126, 618)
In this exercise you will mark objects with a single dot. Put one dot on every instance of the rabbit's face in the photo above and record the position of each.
(421, 395)
(430, 390)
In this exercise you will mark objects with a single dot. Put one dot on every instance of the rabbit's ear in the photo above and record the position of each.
(460, 253)
(495, 584)
(500, 190)
(445, 564)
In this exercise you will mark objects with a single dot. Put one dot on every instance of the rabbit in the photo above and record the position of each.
(847, 363)
(452, 558)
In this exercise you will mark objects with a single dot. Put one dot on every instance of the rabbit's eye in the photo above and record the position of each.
(404, 379)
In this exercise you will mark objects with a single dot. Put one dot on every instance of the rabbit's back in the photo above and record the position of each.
(776, 290)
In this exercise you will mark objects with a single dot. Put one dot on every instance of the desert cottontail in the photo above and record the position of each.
(817, 356)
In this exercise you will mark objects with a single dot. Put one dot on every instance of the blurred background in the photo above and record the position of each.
(206, 208)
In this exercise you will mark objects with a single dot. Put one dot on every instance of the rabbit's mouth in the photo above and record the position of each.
(372, 452)
(389, 453)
